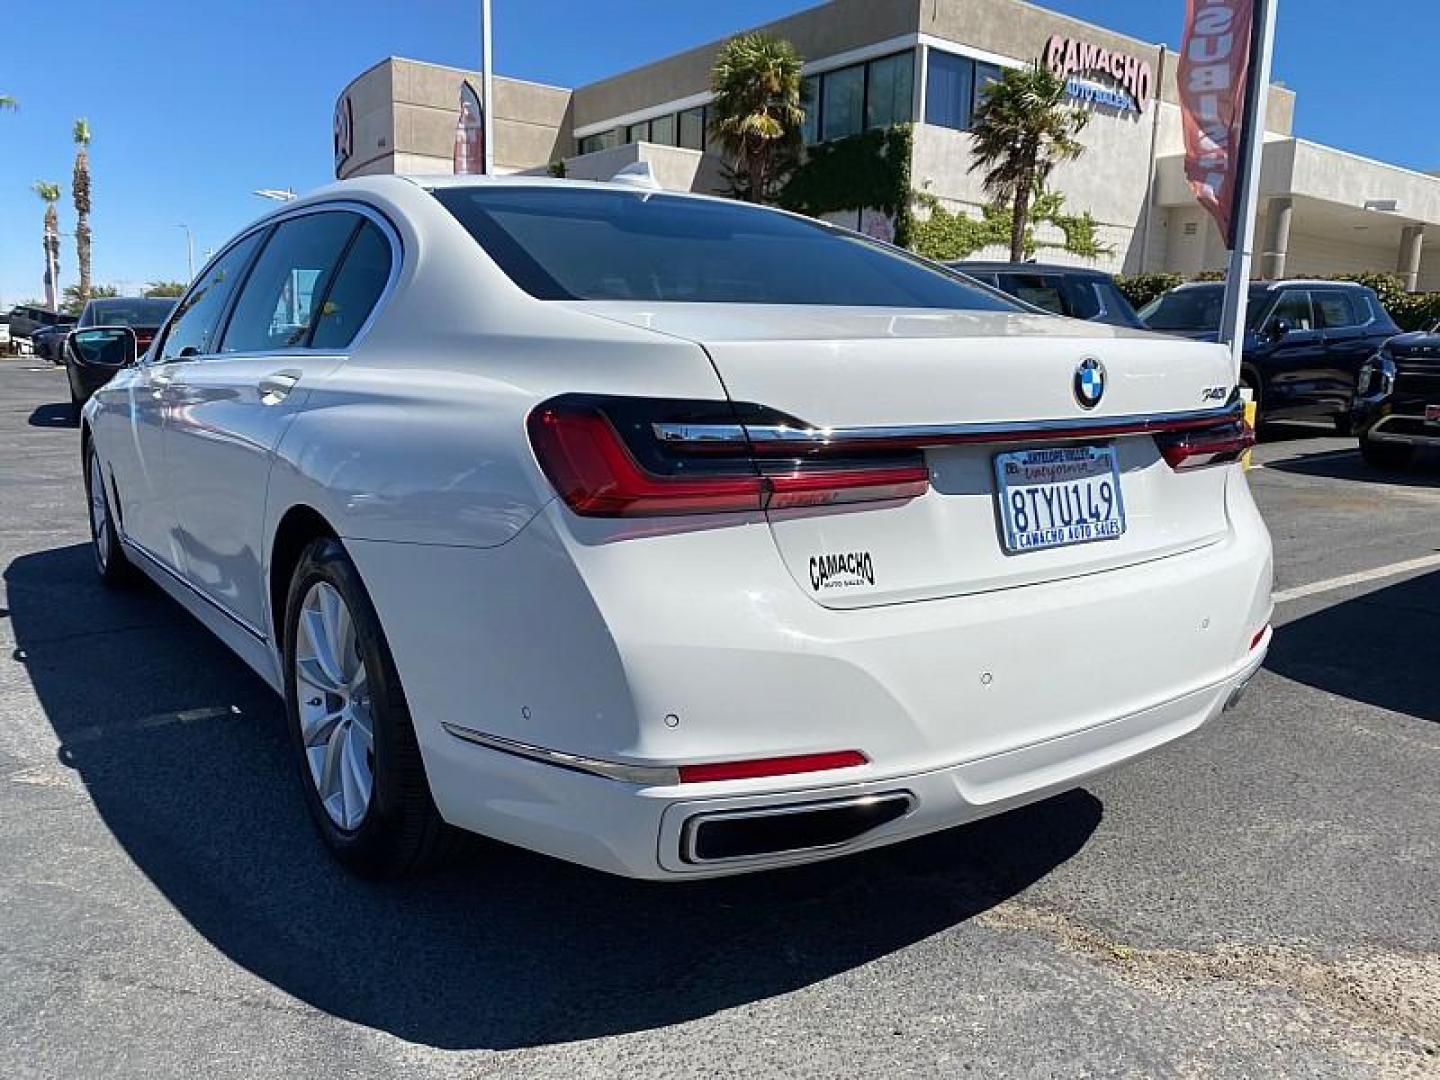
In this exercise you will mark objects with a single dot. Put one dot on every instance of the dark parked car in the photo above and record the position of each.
(1064, 290)
(48, 342)
(1305, 341)
(1397, 402)
(25, 319)
(89, 369)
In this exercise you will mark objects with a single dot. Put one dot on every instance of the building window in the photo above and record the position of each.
(810, 100)
(692, 129)
(891, 91)
(853, 99)
(638, 132)
(603, 141)
(955, 87)
(842, 103)
(985, 74)
(662, 130)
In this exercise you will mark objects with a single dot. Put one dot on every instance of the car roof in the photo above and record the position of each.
(998, 267)
(1288, 283)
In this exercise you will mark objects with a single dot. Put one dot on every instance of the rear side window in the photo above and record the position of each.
(289, 279)
(197, 319)
(1336, 310)
(357, 286)
(565, 243)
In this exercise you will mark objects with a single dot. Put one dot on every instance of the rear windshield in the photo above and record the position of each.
(1079, 296)
(131, 312)
(1199, 309)
(567, 243)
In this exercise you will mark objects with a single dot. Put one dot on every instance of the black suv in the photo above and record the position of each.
(1397, 402)
(26, 319)
(1305, 341)
(1063, 290)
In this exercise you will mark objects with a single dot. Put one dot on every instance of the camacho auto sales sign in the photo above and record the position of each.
(1214, 64)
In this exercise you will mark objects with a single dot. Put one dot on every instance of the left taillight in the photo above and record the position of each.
(1222, 444)
(606, 458)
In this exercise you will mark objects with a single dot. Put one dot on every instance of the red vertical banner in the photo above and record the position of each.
(1214, 65)
(469, 133)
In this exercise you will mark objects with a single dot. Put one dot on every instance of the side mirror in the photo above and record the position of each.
(104, 346)
(1280, 328)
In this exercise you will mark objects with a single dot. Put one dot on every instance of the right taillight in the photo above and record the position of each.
(609, 457)
(1222, 444)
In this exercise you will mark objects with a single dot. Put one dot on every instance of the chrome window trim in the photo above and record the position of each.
(692, 826)
(365, 210)
(1079, 427)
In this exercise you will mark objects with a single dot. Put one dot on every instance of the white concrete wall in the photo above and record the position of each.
(675, 168)
(1337, 254)
(1109, 181)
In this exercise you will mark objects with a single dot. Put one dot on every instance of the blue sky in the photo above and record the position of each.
(201, 101)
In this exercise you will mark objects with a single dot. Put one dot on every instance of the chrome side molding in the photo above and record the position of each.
(650, 775)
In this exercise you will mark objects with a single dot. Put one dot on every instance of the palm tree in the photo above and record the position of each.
(1022, 130)
(80, 192)
(758, 104)
(50, 194)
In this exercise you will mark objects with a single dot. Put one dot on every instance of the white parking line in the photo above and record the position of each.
(1425, 562)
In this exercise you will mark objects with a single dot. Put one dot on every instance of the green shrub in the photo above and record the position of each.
(1140, 289)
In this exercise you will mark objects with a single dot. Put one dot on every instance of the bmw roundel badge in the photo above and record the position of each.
(1089, 382)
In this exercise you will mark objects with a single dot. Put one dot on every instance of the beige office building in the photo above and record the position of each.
(872, 63)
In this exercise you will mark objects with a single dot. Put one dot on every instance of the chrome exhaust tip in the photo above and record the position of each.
(733, 836)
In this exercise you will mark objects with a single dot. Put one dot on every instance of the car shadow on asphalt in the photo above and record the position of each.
(1423, 472)
(184, 754)
(1387, 657)
(57, 415)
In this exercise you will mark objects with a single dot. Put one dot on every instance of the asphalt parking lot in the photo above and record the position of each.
(1261, 899)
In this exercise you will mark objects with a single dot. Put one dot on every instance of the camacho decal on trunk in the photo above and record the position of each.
(841, 571)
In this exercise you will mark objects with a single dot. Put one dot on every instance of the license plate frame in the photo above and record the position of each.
(1078, 474)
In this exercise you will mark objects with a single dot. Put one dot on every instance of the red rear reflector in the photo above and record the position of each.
(781, 766)
(1258, 638)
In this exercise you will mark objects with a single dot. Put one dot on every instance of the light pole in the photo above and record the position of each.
(189, 248)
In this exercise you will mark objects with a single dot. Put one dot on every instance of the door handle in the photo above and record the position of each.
(160, 382)
(276, 388)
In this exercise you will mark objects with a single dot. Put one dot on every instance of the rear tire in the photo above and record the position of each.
(1388, 456)
(366, 790)
(110, 561)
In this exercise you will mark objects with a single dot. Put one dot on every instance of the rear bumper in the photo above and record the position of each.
(657, 650)
(1397, 419)
(644, 832)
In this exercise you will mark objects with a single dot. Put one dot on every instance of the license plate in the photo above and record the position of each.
(1059, 496)
(1432, 414)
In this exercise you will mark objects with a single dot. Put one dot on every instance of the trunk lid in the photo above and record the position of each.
(880, 368)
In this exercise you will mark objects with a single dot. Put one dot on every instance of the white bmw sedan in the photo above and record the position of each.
(670, 535)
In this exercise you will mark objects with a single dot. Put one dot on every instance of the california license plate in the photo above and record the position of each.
(1059, 496)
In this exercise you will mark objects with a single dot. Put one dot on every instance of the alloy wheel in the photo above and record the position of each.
(336, 723)
(99, 513)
